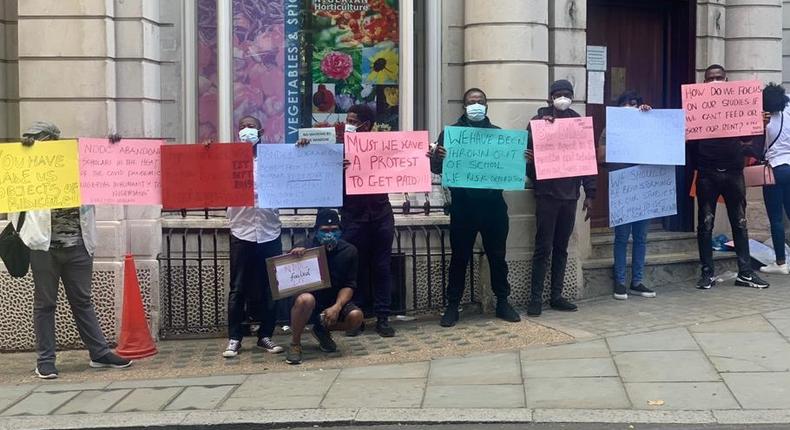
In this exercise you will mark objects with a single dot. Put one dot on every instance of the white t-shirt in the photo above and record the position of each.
(779, 153)
(254, 224)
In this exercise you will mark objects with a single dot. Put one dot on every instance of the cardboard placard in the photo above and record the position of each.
(290, 275)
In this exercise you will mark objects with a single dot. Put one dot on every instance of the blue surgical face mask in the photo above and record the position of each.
(249, 135)
(328, 238)
(476, 112)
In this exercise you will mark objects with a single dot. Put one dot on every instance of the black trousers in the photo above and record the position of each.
(250, 294)
(373, 240)
(555, 221)
(711, 184)
(490, 219)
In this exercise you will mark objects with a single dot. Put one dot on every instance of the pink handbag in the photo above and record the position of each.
(759, 175)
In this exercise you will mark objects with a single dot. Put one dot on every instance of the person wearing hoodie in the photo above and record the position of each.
(474, 211)
(555, 210)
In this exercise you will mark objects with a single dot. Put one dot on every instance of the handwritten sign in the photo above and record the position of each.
(214, 176)
(392, 162)
(641, 192)
(564, 148)
(654, 137)
(486, 158)
(123, 173)
(323, 135)
(293, 177)
(290, 275)
(726, 109)
(43, 176)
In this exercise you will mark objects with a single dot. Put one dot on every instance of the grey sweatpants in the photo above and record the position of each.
(75, 267)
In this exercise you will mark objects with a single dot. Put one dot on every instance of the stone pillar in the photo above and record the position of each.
(9, 70)
(711, 29)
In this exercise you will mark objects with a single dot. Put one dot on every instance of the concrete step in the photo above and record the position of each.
(658, 242)
(661, 269)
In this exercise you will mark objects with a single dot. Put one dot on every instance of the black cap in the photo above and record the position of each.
(326, 217)
(561, 85)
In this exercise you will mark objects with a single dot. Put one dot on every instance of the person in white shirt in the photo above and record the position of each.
(777, 154)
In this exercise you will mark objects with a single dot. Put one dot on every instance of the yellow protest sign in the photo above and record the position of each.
(43, 176)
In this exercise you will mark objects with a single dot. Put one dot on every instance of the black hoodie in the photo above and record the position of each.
(563, 188)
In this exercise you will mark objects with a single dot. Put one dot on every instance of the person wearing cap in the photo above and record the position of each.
(474, 211)
(555, 210)
(62, 243)
(330, 309)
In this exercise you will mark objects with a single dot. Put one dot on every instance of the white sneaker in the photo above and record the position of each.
(776, 269)
(234, 346)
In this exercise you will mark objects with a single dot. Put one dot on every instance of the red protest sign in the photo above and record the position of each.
(724, 109)
(213, 176)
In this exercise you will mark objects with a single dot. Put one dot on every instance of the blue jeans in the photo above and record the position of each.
(639, 231)
(777, 203)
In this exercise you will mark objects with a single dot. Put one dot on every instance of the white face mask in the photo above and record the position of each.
(476, 112)
(249, 135)
(351, 128)
(562, 103)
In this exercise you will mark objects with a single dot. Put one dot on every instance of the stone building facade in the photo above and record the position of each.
(129, 66)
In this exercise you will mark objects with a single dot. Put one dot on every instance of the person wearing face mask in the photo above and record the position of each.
(555, 210)
(636, 229)
(719, 163)
(330, 309)
(474, 211)
(254, 237)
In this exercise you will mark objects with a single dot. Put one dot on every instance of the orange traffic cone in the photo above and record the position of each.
(135, 340)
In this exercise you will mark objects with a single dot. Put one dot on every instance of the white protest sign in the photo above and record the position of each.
(641, 192)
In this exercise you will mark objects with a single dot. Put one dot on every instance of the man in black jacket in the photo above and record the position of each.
(720, 166)
(555, 211)
(473, 211)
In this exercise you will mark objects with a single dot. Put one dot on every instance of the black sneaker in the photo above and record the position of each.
(46, 371)
(324, 338)
(535, 308)
(751, 280)
(268, 344)
(110, 360)
(641, 290)
(294, 354)
(450, 316)
(357, 331)
(233, 349)
(561, 304)
(383, 327)
(505, 311)
(706, 282)
(620, 292)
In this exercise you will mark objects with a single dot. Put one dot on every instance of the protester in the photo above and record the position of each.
(474, 211)
(330, 309)
(777, 154)
(62, 243)
(254, 237)
(636, 229)
(719, 163)
(555, 211)
(369, 224)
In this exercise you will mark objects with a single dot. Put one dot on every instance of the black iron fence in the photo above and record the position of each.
(195, 275)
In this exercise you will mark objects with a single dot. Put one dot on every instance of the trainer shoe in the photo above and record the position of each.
(561, 304)
(450, 316)
(324, 338)
(110, 360)
(776, 269)
(535, 308)
(751, 280)
(505, 311)
(383, 327)
(269, 345)
(46, 371)
(620, 292)
(233, 349)
(706, 282)
(294, 354)
(641, 290)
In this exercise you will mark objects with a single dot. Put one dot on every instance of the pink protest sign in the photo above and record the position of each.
(564, 148)
(123, 173)
(725, 109)
(391, 162)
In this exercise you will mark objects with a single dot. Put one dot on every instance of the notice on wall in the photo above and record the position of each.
(42, 176)
(595, 86)
(392, 162)
(289, 176)
(564, 148)
(641, 192)
(653, 137)
(725, 109)
(325, 135)
(290, 275)
(596, 58)
(484, 158)
(128, 172)
(214, 176)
